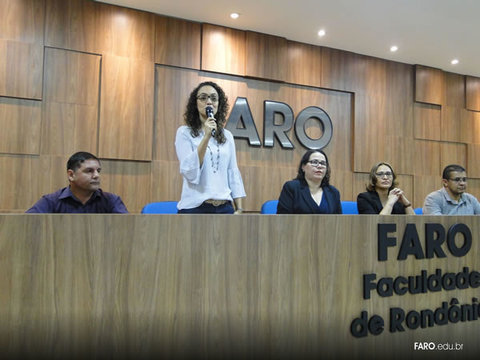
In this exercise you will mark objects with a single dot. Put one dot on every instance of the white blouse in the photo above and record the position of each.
(219, 177)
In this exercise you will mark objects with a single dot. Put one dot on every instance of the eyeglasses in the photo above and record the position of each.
(317, 163)
(458, 179)
(204, 97)
(382, 174)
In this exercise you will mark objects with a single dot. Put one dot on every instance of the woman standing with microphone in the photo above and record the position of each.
(206, 151)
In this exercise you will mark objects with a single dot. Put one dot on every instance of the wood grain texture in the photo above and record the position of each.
(71, 77)
(177, 42)
(343, 180)
(129, 179)
(472, 89)
(223, 50)
(400, 151)
(429, 85)
(266, 56)
(166, 181)
(20, 123)
(273, 175)
(371, 77)
(21, 48)
(304, 64)
(456, 125)
(427, 121)
(126, 110)
(173, 286)
(70, 107)
(68, 128)
(474, 186)
(71, 24)
(369, 144)
(20, 192)
(22, 21)
(451, 153)
(371, 115)
(339, 69)
(398, 98)
(454, 90)
(21, 68)
(473, 119)
(473, 151)
(124, 32)
(427, 158)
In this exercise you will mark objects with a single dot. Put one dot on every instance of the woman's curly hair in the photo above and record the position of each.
(192, 117)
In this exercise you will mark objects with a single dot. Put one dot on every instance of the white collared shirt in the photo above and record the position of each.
(218, 178)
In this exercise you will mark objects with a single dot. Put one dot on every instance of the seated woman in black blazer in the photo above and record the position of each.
(310, 192)
(382, 196)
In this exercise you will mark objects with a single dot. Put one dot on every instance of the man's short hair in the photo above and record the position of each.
(78, 158)
(451, 168)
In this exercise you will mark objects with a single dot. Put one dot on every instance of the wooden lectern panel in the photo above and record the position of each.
(252, 286)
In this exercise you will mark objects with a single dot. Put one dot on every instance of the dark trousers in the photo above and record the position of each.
(207, 208)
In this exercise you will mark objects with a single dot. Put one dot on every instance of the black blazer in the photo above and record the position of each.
(295, 198)
(369, 203)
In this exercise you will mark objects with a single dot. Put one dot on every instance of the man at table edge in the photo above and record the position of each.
(83, 195)
(452, 198)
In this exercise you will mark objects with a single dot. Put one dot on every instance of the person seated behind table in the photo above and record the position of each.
(83, 195)
(206, 152)
(382, 196)
(452, 199)
(310, 192)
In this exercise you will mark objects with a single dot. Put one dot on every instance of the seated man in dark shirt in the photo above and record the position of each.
(83, 195)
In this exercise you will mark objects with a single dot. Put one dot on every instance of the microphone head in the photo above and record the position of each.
(209, 111)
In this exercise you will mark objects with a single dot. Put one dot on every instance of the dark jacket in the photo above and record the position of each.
(295, 198)
(369, 203)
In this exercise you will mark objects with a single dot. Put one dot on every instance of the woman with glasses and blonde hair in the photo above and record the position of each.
(382, 196)
(310, 192)
(206, 151)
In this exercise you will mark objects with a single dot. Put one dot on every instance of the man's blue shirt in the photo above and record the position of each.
(63, 201)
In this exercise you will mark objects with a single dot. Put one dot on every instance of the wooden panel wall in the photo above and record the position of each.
(177, 42)
(126, 111)
(223, 50)
(82, 75)
(429, 85)
(20, 122)
(71, 24)
(21, 48)
(70, 105)
(266, 56)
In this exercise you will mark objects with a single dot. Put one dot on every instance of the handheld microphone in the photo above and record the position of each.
(209, 111)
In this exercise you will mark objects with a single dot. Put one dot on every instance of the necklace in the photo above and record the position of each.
(214, 166)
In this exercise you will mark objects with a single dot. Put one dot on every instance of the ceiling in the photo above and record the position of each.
(427, 32)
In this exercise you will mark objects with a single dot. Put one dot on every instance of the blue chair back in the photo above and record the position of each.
(161, 207)
(418, 211)
(269, 207)
(349, 207)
